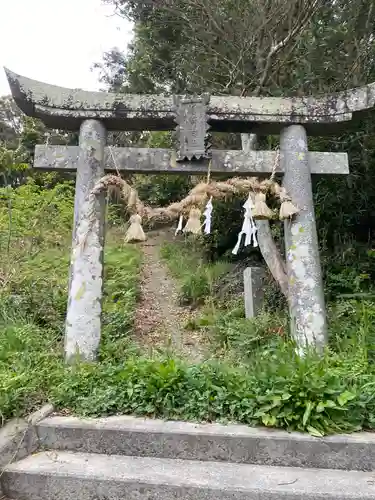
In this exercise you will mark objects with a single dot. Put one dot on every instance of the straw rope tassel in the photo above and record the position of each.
(193, 224)
(135, 232)
(287, 208)
(261, 210)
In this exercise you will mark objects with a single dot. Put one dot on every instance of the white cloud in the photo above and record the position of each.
(57, 41)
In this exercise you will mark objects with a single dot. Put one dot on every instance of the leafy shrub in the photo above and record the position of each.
(317, 394)
(31, 325)
(303, 393)
(349, 271)
(293, 393)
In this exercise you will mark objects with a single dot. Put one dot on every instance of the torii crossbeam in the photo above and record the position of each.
(94, 113)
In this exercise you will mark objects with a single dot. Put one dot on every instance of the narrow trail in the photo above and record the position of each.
(160, 320)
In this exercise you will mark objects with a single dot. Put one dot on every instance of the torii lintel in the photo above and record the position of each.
(66, 109)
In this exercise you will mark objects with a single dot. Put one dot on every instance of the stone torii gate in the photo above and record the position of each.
(95, 113)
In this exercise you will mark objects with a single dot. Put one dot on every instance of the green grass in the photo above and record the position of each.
(232, 335)
(196, 277)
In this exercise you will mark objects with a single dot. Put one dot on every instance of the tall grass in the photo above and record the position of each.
(195, 276)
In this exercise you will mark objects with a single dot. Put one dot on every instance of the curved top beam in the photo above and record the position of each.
(63, 108)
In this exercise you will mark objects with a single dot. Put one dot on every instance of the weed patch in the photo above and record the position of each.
(278, 389)
(195, 276)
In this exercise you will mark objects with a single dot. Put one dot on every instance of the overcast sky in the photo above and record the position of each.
(57, 41)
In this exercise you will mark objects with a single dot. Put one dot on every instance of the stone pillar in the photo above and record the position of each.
(249, 142)
(83, 321)
(305, 287)
(253, 278)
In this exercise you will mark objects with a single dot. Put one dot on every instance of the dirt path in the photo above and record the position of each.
(159, 321)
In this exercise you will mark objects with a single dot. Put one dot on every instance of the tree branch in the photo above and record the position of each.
(298, 28)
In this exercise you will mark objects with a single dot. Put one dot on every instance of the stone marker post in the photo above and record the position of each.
(305, 287)
(83, 321)
(253, 278)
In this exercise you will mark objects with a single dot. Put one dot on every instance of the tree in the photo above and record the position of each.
(19, 134)
(241, 46)
(10, 121)
(265, 47)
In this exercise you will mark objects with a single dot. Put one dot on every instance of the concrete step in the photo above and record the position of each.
(81, 476)
(212, 442)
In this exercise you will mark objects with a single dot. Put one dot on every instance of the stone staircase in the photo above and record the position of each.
(136, 459)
